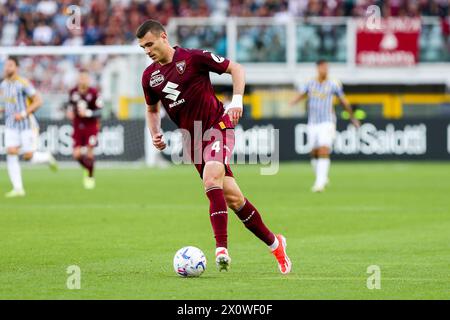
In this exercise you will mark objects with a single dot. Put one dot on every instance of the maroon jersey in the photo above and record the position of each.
(88, 100)
(184, 87)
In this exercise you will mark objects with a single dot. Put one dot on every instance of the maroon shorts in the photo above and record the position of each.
(85, 133)
(218, 146)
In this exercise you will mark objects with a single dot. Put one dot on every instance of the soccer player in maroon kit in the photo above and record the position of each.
(179, 78)
(85, 112)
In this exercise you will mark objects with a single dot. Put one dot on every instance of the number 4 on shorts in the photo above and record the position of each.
(216, 146)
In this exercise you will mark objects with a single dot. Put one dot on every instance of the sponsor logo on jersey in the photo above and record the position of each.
(181, 66)
(171, 91)
(156, 80)
(176, 103)
(217, 58)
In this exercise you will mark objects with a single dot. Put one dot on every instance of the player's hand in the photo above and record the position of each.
(20, 116)
(158, 142)
(235, 114)
(82, 108)
(82, 113)
(355, 122)
(234, 109)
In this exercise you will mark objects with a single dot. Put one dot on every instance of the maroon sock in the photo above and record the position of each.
(252, 220)
(218, 215)
(87, 163)
(81, 162)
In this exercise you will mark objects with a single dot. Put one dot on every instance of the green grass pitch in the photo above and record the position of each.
(123, 235)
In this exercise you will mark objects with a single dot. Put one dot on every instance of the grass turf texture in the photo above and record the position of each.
(123, 235)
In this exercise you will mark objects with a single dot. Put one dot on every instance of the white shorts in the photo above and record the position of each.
(25, 139)
(321, 135)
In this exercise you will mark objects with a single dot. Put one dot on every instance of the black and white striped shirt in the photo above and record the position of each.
(320, 99)
(14, 98)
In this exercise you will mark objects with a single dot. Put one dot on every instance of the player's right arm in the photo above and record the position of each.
(298, 97)
(152, 114)
(302, 93)
(154, 125)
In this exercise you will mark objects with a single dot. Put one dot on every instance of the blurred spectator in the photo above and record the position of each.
(48, 8)
(42, 34)
(114, 21)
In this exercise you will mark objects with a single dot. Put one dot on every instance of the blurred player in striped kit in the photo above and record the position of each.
(19, 101)
(322, 119)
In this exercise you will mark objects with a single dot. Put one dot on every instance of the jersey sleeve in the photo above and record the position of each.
(150, 97)
(303, 87)
(338, 89)
(29, 89)
(208, 61)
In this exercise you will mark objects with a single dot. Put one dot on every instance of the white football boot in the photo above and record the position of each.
(223, 260)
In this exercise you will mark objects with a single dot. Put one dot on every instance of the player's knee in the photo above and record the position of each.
(76, 155)
(12, 151)
(323, 152)
(27, 156)
(211, 181)
(90, 154)
(213, 175)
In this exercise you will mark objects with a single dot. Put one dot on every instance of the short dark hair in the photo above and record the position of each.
(15, 59)
(321, 61)
(153, 26)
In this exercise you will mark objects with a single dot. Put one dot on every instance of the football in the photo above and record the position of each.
(189, 262)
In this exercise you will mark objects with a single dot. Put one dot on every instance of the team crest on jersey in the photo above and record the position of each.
(156, 80)
(181, 66)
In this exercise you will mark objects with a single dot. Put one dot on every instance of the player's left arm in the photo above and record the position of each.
(349, 109)
(35, 103)
(95, 108)
(341, 96)
(234, 109)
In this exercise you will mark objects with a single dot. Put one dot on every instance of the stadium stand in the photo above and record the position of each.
(32, 22)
